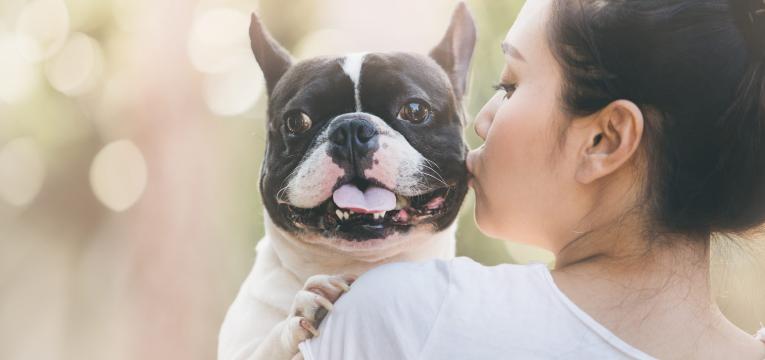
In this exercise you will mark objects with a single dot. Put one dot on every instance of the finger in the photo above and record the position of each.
(340, 283)
(305, 324)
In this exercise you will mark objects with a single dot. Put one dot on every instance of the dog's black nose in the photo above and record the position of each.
(352, 138)
(352, 132)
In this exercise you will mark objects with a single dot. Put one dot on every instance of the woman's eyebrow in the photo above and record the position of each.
(508, 49)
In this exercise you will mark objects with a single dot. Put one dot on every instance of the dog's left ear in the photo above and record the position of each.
(456, 49)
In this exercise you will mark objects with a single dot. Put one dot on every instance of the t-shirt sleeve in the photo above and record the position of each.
(388, 314)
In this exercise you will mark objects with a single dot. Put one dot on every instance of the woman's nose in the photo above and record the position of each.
(485, 117)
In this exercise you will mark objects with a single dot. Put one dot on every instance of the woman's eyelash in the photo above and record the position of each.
(507, 88)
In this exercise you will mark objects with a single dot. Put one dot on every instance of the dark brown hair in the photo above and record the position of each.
(696, 68)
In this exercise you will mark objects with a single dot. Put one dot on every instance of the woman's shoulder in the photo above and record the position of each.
(471, 274)
(414, 287)
(435, 267)
(388, 313)
(428, 279)
(459, 264)
(391, 310)
(433, 278)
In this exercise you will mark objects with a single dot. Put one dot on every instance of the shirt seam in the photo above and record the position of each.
(440, 311)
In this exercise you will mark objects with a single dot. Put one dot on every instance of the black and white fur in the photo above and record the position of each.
(357, 135)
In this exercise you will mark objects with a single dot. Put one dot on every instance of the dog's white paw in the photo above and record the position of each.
(311, 305)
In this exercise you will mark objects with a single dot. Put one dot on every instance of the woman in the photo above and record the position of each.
(625, 133)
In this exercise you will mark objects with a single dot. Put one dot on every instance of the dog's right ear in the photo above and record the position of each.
(455, 50)
(273, 59)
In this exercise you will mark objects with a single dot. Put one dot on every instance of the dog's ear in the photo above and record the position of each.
(273, 59)
(455, 50)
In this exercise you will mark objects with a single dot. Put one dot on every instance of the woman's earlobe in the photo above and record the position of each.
(589, 170)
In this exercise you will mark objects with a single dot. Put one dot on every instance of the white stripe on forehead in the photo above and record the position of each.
(352, 68)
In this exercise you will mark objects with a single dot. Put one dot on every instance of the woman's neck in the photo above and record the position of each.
(634, 270)
(653, 292)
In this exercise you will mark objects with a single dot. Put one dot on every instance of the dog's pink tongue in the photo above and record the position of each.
(373, 200)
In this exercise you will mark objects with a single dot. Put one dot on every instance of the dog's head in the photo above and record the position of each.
(366, 147)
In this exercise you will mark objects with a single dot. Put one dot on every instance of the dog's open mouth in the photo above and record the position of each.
(360, 211)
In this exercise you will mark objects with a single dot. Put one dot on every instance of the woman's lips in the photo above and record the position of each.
(469, 163)
(472, 157)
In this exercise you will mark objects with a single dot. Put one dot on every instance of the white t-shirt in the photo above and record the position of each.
(460, 309)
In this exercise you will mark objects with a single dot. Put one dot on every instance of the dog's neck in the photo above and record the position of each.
(303, 259)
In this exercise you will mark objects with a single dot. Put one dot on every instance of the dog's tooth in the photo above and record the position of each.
(339, 214)
(352, 213)
(347, 215)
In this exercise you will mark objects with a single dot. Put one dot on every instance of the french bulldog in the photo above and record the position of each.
(364, 165)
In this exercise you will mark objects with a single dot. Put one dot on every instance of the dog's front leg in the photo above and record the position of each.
(273, 345)
(309, 307)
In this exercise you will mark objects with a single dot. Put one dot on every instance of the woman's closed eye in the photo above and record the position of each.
(509, 89)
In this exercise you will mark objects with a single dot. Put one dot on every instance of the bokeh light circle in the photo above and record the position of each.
(22, 171)
(118, 175)
(19, 77)
(219, 40)
(42, 28)
(77, 68)
(236, 91)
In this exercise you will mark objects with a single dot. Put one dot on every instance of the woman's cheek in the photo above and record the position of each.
(497, 167)
(494, 164)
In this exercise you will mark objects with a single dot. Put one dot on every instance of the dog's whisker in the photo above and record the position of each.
(436, 178)
(435, 175)
(432, 162)
(285, 186)
(280, 195)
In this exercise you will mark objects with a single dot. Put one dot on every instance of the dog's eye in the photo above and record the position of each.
(298, 122)
(415, 112)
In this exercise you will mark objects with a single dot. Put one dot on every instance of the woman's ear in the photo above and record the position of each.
(613, 137)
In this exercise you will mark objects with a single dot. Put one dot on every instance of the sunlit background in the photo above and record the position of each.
(131, 135)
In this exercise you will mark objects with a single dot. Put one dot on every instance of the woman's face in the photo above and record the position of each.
(524, 172)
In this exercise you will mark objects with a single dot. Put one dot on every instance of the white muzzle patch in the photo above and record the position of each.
(395, 164)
